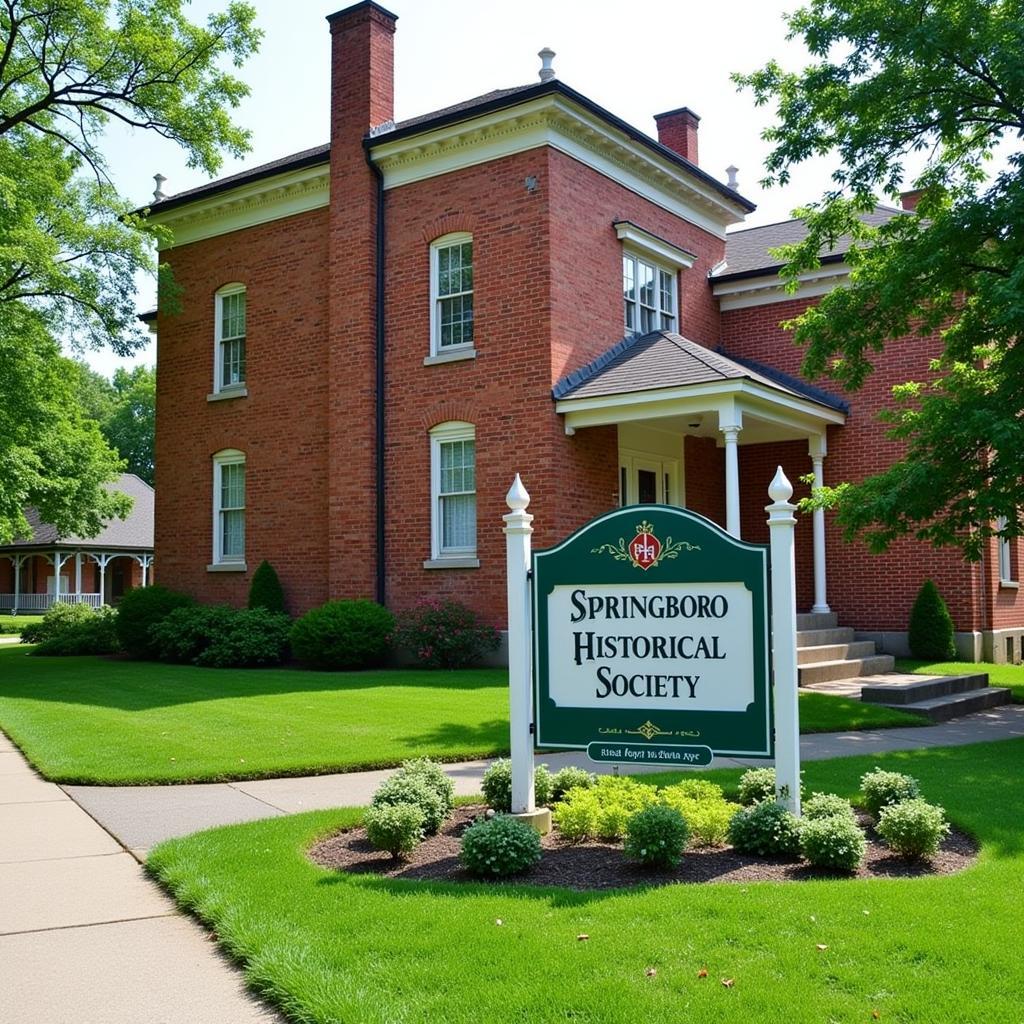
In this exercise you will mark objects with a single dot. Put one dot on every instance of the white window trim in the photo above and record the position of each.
(229, 390)
(628, 252)
(450, 353)
(462, 558)
(653, 248)
(1005, 554)
(220, 563)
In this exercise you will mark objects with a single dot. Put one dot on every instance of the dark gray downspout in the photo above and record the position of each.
(379, 326)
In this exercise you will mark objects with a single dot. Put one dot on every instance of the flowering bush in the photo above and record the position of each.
(757, 784)
(882, 789)
(834, 841)
(913, 828)
(433, 775)
(570, 777)
(445, 634)
(499, 847)
(414, 790)
(827, 805)
(766, 829)
(397, 828)
(497, 785)
(656, 836)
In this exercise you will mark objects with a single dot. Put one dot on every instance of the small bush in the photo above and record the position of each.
(704, 807)
(695, 789)
(833, 841)
(913, 828)
(656, 836)
(881, 789)
(184, 633)
(58, 619)
(568, 778)
(603, 810)
(412, 789)
(758, 784)
(221, 637)
(94, 634)
(500, 847)
(433, 775)
(141, 609)
(497, 785)
(575, 816)
(343, 635)
(766, 829)
(446, 634)
(397, 828)
(931, 627)
(265, 590)
(827, 805)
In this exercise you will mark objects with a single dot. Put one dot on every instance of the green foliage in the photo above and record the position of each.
(766, 829)
(93, 633)
(570, 777)
(499, 848)
(827, 805)
(186, 631)
(433, 776)
(704, 807)
(350, 634)
(497, 785)
(833, 841)
(913, 828)
(130, 426)
(412, 788)
(931, 626)
(757, 784)
(397, 828)
(265, 590)
(887, 83)
(250, 637)
(603, 809)
(446, 634)
(141, 609)
(881, 788)
(656, 836)
(58, 619)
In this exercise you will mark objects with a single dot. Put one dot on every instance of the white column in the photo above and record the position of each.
(730, 429)
(781, 523)
(19, 561)
(520, 692)
(145, 565)
(78, 574)
(817, 451)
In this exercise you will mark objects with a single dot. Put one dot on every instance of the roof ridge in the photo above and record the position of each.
(672, 335)
(787, 380)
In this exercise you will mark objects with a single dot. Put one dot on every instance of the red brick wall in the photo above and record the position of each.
(704, 472)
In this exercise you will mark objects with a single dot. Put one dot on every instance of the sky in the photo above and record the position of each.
(633, 60)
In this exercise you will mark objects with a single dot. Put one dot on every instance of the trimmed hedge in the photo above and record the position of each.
(141, 609)
(446, 634)
(350, 634)
(265, 590)
(499, 847)
(221, 637)
(931, 626)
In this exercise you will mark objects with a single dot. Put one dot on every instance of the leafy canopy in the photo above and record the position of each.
(890, 84)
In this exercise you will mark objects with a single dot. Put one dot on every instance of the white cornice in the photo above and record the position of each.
(556, 121)
(650, 245)
(770, 288)
(258, 202)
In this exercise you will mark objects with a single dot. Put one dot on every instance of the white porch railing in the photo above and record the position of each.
(41, 602)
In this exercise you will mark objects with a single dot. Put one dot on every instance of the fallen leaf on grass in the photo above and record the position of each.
(702, 973)
(821, 946)
(875, 1015)
(728, 982)
(651, 972)
(499, 921)
(582, 937)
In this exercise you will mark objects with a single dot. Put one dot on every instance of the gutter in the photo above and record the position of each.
(379, 382)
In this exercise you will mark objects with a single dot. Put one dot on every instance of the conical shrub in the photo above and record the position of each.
(266, 591)
(931, 626)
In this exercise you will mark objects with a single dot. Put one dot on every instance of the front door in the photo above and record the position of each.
(648, 480)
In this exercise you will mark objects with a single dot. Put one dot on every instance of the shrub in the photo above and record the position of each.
(412, 789)
(880, 789)
(343, 635)
(58, 618)
(931, 627)
(497, 785)
(766, 829)
(500, 847)
(96, 633)
(656, 836)
(265, 590)
(602, 810)
(184, 633)
(695, 789)
(833, 841)
(141, 609)
(913, 828)
(397, 828)
(568, 778)
(758, 784)
(575, 816)
(827, 805)
(433, 775)
(446, 634)
(252, 637)
(707, 812)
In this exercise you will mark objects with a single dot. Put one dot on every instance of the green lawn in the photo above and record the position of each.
(1011, 676)
(329, 947)
(110, 721)
(16, 623)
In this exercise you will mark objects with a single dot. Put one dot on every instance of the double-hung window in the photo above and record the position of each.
(229, 357)
(649, 295)
(1006, 573)
(451, 286)
(229, 509)
(453, 492)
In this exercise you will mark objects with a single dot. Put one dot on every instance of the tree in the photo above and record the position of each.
(70, 246)
(131, 423)
(889, 84)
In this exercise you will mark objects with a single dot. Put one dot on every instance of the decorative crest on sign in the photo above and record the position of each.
(645, 551)
(648, 730)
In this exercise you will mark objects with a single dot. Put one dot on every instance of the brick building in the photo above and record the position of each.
(377, 333)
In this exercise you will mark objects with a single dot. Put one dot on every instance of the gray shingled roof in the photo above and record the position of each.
(661, 359)
(134, 532)
(746, 251)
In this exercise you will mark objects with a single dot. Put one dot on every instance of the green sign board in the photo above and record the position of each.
(651, 641)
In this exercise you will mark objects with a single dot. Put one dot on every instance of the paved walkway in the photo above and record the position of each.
(142, 816)
(85, 938)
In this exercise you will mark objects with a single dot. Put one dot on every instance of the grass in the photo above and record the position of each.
(110, 721)
(330, 947)
(1011, 676)
(14, 624)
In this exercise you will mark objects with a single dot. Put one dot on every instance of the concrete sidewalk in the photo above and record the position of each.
(85, 938)
(142, 816)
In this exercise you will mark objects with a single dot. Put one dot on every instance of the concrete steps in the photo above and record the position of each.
(845, 668)
(827, 651)
(847, 651)
(938, 698)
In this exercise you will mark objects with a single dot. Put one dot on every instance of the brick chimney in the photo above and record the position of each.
(677, 130)
(909, 200)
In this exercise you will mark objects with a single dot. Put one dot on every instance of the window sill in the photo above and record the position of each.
(453, 356)
(452, 563)
(226, 567)
(220, 396)
(1009, 585)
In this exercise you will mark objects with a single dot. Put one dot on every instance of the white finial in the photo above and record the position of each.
(780, 489)
(158, 192)
(547, 72)
(732, 182)
(517, 498)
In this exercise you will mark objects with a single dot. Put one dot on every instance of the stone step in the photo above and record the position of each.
(820, 637)
(847, 668)
(817, 620)
(900, 691)
(835, 652)
(953, 705)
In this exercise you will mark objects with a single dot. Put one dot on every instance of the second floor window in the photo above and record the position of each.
(230, 338)
(649, 295)
(452, 287)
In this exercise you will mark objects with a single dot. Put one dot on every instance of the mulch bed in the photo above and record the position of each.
(602, 865)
